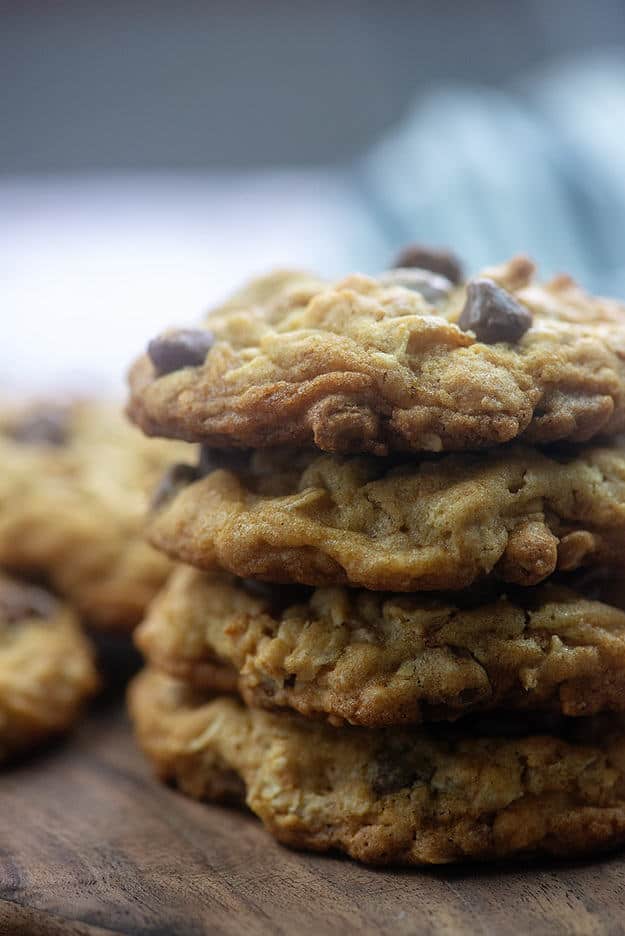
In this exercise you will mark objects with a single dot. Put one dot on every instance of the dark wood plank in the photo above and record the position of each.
(86, 835)
(16, 920)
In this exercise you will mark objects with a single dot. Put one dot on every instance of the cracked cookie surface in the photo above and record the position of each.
(391, 796)
(368, 365)
(46, 667)
(373, 659)
(74, 489)
(438, 523)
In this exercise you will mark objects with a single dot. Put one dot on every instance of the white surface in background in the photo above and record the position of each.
(92, 267)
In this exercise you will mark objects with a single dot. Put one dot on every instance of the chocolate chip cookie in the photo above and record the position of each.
(408, 361)
(393, 796)
(444, 522)
(46, 667)
(74, 489)
(368, 658)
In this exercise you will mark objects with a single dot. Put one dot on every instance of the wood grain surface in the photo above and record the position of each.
(90, 844)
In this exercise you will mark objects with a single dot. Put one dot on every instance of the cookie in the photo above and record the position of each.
(392, 796)
(46, 667)
(407, 361)
(437, 523)
(374, 659)
(74, 489)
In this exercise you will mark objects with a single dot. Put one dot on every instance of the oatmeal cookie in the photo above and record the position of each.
(75, 484)
(407, 361)
(368, 658)
(392, 796)
(46, 667)
(439, 523)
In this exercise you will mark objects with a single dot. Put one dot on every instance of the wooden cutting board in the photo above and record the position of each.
(91, 844)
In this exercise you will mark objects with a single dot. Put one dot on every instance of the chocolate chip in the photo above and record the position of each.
(392, 771)
(493, 314)
(50, 426)
(176, 349)
(174, 480)
(431, 286)
(442, 262)
(20, 602)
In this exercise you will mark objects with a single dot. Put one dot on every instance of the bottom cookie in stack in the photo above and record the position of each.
(536, 782)
(47, 670)
(421, 796)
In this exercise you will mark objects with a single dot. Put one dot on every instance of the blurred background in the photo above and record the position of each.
(153, 154)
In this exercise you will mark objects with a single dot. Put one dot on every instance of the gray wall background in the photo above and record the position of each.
(93, 85)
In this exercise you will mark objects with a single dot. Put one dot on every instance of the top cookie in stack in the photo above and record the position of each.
(392, 435)
(411, 361)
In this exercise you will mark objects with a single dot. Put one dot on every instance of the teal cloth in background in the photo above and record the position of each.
(538, 168)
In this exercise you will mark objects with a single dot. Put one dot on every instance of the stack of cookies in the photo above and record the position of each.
(394, 629)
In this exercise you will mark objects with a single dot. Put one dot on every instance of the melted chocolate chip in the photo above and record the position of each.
(493, 314)
(174, 350)
(42, 427)
(20, 602)
(442, 262)
(394, 770)
(174, 480)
